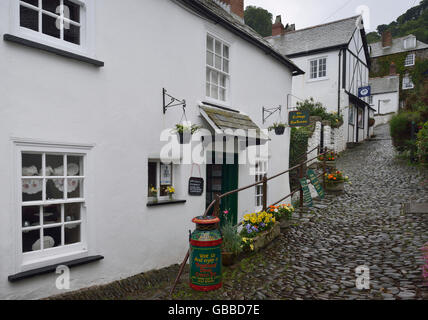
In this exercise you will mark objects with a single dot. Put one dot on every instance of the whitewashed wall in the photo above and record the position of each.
(386, 103)
(146, 45)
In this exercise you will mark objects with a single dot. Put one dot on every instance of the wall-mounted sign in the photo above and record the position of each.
(298, 119)
(364, 92)
(196, 186)
(315, 181)
(307, 198)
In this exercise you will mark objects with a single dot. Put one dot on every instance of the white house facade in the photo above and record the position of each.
(336, 62)
(385, 97)
(81, 119)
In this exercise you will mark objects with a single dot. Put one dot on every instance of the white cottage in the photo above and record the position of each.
(81, 116)
(336, 62)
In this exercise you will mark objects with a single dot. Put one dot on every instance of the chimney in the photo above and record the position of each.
(386, 39)
(392, 69)
(236, 7)
(278, 28)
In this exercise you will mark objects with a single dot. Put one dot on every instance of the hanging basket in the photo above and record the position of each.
(279, 131)
(184, 138)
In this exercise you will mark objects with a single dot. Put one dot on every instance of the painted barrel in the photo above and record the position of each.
(205, 254)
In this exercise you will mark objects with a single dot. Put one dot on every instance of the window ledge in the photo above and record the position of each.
(165, 202)
(52, 268)
(64, 53)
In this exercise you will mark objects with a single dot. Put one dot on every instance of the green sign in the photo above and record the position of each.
(316, 183)
(298, 119)
(307, 198)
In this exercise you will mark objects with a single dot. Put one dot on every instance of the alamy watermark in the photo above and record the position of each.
(63, 280)
(362, 281)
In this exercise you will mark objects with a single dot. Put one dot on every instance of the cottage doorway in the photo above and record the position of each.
(222, 178)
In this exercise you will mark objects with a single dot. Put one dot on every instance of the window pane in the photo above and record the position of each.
(72, 233)
(218, 47)
(75, 166)
(54, 189)
(32, 189)
(32, 2)
(210, 59)
(30, 239)
(54, 165)
(31, 164)
(52, 237)
(165, 178)
(72, 212)
(208, 79)
(210, 43)
(30, 216)
(49, 26)
(71, 33)
(29, 18)
(51, 214)
(74, 188)
(223, 81)
(226, 66)
(214, 92)
(152, 183)
(51, 5)
(214, 77)
(207, 89)
(222, 94)
(226, 52)
(218, 62)
(71, 11)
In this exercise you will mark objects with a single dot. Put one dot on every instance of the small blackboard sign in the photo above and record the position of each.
(196, 186)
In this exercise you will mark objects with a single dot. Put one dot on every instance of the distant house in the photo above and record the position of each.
(404, 52)
(336, 61)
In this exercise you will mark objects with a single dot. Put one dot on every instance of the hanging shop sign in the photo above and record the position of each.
(298, 119)
(307, 198)
(364, 92)
(316, 183)
(196, 186)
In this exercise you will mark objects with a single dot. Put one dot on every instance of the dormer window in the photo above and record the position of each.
(410, 43)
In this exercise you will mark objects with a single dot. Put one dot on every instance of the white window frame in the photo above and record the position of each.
(209, 70)
(316, 71)
(408, 45)
(158, 184)
(37, 259)
(370, 98)
(410, 60)
(87, 28)
(407, 82)
(260, 171)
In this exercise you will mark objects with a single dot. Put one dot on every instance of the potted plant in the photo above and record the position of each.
(330, 159)
(170, 190)
(278, 127)
(231, 245)
(283, 211)
(154, 193)
(185, 132)
(372, 122)
(335, 181)
(259, 229)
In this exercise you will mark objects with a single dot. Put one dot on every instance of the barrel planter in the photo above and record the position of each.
(205, 254)
(266, 237)
(335, 187)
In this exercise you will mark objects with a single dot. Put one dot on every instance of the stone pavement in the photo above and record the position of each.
(316, 257)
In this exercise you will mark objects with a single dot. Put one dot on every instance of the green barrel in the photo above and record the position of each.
(205, 255)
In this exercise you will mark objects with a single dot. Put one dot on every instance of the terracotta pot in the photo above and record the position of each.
(228, 258)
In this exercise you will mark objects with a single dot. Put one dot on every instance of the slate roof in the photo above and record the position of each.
(217, 13)
(376, 49)
(333, 34)
(385, 84)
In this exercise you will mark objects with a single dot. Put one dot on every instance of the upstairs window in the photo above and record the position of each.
(407, 82)
(410, 60)
(217, 69)
(318, 68)
(60, 19)
(410, 43)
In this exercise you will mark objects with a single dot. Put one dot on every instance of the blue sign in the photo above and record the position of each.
(364, 92)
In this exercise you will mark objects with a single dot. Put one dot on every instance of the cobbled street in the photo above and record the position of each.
(316, 257)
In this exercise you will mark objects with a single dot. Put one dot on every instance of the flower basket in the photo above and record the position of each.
(184, 138)
(372, 122)
(279, 131)
(265, 238)
(228, 258)
(335, 187)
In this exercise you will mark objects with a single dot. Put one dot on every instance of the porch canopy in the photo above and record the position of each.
(231, 123)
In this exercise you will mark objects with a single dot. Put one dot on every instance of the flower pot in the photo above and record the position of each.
(228, 258)
(266, 237)
(372, 122)
(184, 138)
(279, 131)
(171, 196)
(335, 187)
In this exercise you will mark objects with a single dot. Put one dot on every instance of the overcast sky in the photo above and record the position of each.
(306, 13)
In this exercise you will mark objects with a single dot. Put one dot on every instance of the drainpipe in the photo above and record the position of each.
(338, 89)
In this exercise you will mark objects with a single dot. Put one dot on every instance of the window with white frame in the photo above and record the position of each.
(410, 60)
(318, 68)
(59, 19)
(410, 43)
(217, 70)
(407, 82)
(260, 173)
(52, 201)
(371, 100)
(160, 177)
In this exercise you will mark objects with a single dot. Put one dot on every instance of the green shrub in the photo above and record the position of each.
(400, 127)
(231, 238)
(298, 147)
(422, 144)
(316, 109)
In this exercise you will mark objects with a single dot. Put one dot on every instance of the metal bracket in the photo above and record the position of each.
(270, 112)
(173, 103)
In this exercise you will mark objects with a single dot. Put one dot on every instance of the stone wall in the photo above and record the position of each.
(314, 141)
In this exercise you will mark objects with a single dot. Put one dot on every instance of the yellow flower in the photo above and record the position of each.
(252, 247)
(253, 220)
(273, 220)
(246, 217)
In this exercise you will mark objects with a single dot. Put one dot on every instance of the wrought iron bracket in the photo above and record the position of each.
(270, 112)
(174, 102)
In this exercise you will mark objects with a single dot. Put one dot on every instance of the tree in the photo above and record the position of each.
(259, 19)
